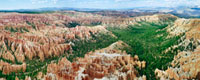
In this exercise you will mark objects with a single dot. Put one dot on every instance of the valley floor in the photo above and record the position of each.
(149, 41)
(83, 46)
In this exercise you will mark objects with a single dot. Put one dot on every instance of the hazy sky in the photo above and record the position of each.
(101, 4)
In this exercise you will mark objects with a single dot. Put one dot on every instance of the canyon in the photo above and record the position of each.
(71, 45)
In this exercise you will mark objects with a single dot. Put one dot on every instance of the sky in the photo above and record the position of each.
(97, 4)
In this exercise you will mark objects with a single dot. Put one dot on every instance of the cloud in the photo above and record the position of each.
(54, 1)
(121, 0)
(182, 2)
(43, 1)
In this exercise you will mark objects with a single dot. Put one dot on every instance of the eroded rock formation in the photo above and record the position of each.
(183, 25)
(32, 36)
(7, 68)
(186, 64)
(22, 48)
(96, 65)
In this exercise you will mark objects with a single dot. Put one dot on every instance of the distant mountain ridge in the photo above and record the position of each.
(180, 11)
(51, 9)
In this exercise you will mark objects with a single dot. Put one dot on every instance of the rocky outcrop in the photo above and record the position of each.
(7, 68)
(27, 78)
(40, 21)
(33, 36)
(40, 75)
(45, 43)
(2, 79)
(42, 36)
(8, 56)
(186, 64)
(22, 48)
(58, 19)
(96, 65)
(101, 67)
(183, 25)
(124, 22)
(155, 18)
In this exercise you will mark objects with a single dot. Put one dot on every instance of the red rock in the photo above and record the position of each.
(8, 56)
(96, 66)
(8, 68)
